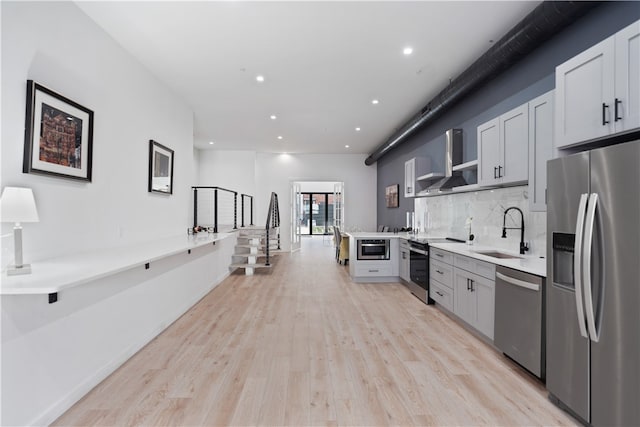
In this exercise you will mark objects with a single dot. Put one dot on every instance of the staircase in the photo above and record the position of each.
(258, 244)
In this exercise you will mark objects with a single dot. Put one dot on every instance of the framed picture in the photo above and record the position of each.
(58, 135)
(391, 195)
(160, 168)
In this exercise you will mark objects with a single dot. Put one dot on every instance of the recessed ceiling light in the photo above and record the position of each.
(375, 102)
(346, 146)
(279, 136)
(211, 142)
(272, 117)
(357, 129)
(407, 50)
(260, 78)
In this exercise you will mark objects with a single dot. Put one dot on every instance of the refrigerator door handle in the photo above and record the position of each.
(577, 264)
(586, 266)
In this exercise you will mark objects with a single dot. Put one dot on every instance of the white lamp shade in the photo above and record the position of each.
(18, 205)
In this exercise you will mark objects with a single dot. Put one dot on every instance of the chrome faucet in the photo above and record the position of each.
(523, 246)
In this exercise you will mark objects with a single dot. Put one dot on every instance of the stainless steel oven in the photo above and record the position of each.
(419, 270)
(373, 249)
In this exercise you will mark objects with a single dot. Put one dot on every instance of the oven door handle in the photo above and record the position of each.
(418, 251)
(373, 244)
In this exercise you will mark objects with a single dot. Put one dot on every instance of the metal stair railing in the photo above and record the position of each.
(242, 204)
(221, 205)
(273, 221)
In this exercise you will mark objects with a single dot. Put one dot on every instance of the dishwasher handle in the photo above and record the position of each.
(518, 282)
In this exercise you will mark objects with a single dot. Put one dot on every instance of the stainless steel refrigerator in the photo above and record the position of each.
(593, 284)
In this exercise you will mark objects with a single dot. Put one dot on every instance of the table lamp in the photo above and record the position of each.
(17, 205)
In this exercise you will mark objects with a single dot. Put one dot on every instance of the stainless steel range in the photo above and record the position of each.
(419, 267)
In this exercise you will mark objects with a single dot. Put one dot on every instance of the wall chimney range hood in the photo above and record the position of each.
(453, 155)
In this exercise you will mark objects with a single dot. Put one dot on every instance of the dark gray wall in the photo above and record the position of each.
(531, 77)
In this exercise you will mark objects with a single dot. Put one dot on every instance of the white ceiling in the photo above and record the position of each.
(323, 63)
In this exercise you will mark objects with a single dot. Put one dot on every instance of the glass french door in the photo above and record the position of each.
(296, 216)
(338, 205)
(317, 213)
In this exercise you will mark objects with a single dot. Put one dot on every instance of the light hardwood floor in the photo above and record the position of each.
(302, 345)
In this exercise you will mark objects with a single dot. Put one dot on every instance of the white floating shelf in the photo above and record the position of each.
(473, 164)
(430, 176)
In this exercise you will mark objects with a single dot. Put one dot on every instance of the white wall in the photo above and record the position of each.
(261, 173)
(54, 353)
(234, 170)
(317, 186)
(58, 46)
(274, 172)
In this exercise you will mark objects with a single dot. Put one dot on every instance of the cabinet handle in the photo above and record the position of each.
(604, 114)
(442, 295)
(439, 272)
(471, 285)
(440, 255)
(499, 171)
(495, 171)
(615, 110)
(373, 271)
(467, 284)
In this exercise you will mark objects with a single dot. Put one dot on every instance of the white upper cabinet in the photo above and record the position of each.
(413, 169)
(541, 149)
(488, 151)
(627, 87)
(410, 178)
(598, 91)
(503, 146)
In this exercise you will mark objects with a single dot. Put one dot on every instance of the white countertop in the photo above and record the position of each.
(389, 235)
(527, 263)
(55, 274)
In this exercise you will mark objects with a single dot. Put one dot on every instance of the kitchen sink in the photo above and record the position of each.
(496, 254)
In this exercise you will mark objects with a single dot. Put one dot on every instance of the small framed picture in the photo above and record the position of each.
(391, 195)
(160, 168)
(58, 135)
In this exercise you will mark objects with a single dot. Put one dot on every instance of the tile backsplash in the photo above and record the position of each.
(447, 215)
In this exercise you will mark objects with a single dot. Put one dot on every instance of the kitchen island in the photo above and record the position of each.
(377, 269)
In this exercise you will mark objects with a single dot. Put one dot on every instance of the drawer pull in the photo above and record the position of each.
(440, 255)
(442, 295)
(439, 272)
(373, 271)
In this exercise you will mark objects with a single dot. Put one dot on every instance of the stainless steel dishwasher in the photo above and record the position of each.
(519, 322)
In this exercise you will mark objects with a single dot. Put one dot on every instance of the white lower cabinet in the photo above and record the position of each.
(466, 287)
(404, 259)
(474, 300)
(441, 294)
(374, 269)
